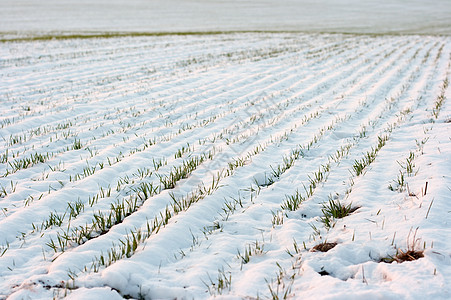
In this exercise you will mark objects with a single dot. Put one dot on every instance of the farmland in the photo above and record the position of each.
(156, 167)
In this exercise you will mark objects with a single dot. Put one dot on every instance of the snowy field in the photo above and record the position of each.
(33, 18)
(312, 162)
(158, 168)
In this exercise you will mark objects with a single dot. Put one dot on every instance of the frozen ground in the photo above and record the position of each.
(25, 18)
(159, 168)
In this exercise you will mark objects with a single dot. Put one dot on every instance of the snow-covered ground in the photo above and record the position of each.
(204, 165)
(197, 166)
(30, 18)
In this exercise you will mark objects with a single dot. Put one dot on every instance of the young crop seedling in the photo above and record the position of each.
(27, 162)
(334, 209)
(145, 190)
(77, 145)
(230, 207)
(75, 208)
(292, 202)
(4, 157)
(3, 192)
(440, 99)
(182, 151)
(296, 248)
(224, 281)
(16, 139)
(181, 172)
(399, 183)
(409, 163)
(277, 217)
(207, 230)
(281, 290)
(251, 250)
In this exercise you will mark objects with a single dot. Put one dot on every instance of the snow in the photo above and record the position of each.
(25, 18)
(94, 293)
(254, 119)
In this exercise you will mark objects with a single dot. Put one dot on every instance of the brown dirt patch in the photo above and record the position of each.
(324, 247)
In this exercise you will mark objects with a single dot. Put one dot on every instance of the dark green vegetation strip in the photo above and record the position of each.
(62, 36)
